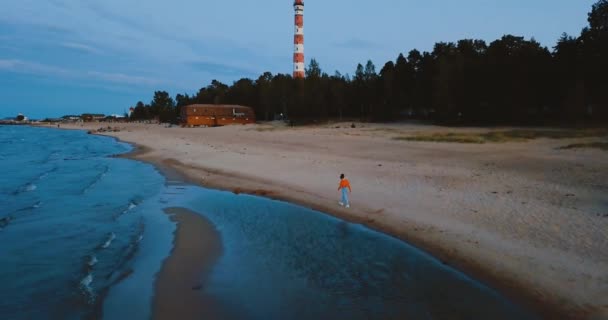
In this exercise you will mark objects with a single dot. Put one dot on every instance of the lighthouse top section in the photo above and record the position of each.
(298, 5)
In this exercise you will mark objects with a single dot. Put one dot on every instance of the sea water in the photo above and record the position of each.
(283, 261)
(70, 223)
(83, 236)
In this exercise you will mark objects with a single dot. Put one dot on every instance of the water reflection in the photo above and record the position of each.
(283, 261)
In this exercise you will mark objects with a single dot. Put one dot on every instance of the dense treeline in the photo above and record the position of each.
(511, 80)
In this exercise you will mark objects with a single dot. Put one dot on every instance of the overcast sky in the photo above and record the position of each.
(73, 56)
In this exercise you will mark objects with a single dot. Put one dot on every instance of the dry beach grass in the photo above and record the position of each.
(505, 136)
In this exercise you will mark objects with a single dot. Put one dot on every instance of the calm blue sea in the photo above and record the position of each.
(70, 220)
(83, 235)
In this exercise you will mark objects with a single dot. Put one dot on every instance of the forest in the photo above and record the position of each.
(511, 80)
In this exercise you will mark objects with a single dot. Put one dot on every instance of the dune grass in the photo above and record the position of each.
(264, 129)
(594, 145)
(518, 135)
(445, 137)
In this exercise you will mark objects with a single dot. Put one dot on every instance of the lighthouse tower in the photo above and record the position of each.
(298, 56)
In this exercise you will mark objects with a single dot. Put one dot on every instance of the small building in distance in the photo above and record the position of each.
(115, 118)
(213, 115)
(71, 118)
(88, 117)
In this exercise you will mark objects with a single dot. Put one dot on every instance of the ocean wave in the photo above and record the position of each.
(92, 261)
(5, 221)
(108, 242)
(31, 207)
(136, 239)
(86, 289)
(54, 155)
(87, 280)
(46, 174)
(47, 159)
(132, 205)
(28, 187)
(96, 180)
(85, 284)
(31, 185)
(123, 269)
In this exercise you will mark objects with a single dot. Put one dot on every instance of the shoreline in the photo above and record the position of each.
(517, 289)
(180, 282)
(518, 293)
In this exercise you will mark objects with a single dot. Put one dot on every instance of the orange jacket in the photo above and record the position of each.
(344, 184)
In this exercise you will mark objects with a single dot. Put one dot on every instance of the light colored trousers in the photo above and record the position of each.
(345, 196)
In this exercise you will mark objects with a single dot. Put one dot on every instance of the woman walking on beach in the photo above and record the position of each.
(344, 184)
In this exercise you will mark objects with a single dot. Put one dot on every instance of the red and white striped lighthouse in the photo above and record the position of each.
(298, 56)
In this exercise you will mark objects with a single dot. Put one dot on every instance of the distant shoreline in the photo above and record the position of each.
(13, 123)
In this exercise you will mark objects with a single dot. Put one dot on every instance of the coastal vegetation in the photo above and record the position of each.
(510, 136)
(594, 145)
(511, 80)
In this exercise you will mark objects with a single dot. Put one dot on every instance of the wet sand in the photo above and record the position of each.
(526, 218)
(181, 281)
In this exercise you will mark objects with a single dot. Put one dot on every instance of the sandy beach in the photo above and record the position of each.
(525, 217)
(178, 289)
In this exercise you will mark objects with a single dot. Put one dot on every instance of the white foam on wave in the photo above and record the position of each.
(86, 281)
(26, 188)
(46, 174)
(109, 241)
(92, 261)
(129, 208)
(87, 290)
